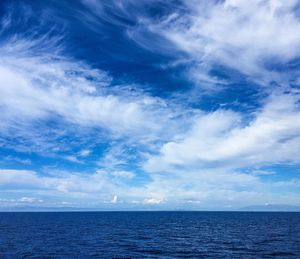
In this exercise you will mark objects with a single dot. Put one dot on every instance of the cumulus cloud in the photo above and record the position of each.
(223, 138)
(153, 201)
(114, 199)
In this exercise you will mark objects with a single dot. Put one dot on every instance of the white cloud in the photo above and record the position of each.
(23, 201)
(37, 83)
(222, 138)
(24, 178)
(33, 88)
(73, 159)
(246, 36)
(85, 153)
(29, 200)
(114, 199)
(200, 155)
(153, 201)
(211, 188)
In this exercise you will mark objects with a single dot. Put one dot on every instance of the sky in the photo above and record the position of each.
(149, 105)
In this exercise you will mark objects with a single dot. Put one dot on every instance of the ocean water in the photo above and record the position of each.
(150, 235)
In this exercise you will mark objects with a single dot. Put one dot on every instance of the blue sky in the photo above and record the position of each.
(149, 104)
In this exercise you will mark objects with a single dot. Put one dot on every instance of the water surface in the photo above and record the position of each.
(150, 235)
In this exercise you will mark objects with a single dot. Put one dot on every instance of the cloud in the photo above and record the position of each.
(254, 38)
(24, 178)
(122, 174)
(137, 148)
(153, 201)
(40, 87)
(73, 159)
(34, 88)
(223, 138)
(64, 184)
(85, 153)
(78, 189)
(29, 200)
(23, 201)
(114, 199)
(211, 188)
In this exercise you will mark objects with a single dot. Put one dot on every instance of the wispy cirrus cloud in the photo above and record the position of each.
(254, 38)
(36, 88)
(40, 84)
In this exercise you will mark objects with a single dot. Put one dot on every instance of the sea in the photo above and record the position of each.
(149, 235)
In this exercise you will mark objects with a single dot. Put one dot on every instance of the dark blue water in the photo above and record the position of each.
(150, 235)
